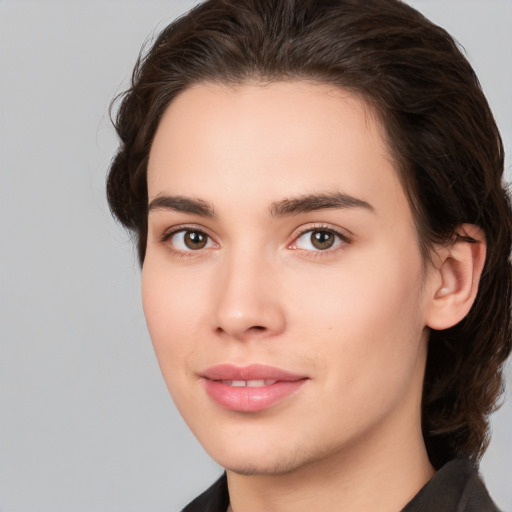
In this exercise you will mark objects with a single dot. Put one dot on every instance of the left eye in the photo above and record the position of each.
(318, 240)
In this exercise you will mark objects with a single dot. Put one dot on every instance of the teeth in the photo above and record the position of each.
(249, 383)
(255, 383)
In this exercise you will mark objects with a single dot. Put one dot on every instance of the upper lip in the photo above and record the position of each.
(251, 372)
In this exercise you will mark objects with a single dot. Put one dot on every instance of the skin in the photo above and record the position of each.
(352, 318)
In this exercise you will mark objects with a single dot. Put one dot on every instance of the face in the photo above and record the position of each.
(283, 284)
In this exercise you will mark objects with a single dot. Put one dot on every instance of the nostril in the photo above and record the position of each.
(254, 329)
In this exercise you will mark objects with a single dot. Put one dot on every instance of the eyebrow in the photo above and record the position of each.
(290, 206)
(313, 202)
(183, 205)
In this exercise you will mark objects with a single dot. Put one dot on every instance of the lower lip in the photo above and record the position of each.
(247, 399)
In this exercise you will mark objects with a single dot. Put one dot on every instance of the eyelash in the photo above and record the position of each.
(341, 241)
(168, 235)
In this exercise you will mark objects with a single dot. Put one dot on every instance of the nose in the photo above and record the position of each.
(248, 302)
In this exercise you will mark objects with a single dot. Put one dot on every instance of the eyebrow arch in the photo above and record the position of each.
(183, 205)
(312, 202)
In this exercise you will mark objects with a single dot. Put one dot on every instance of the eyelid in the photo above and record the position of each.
(343, 235)
(168, 233)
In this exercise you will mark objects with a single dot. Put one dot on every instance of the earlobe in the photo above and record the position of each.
(457, 276)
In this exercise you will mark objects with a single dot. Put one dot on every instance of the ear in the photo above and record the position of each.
(455, 279)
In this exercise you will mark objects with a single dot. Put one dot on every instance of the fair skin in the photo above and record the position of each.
(279, 235)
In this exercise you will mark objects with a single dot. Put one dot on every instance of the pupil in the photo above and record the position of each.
(195, 240)
(322, 239)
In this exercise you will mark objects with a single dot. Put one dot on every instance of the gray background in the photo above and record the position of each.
(85, 420)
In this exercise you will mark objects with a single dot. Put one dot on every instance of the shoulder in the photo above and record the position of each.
(214, 499)
(456, 487)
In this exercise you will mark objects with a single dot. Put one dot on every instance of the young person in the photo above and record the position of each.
(316, 191)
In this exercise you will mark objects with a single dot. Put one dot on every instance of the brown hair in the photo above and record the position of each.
(440, 131)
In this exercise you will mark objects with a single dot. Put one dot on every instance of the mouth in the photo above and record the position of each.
(251, 388)
(249, 383)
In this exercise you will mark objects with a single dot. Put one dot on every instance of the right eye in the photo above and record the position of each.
(186, 240)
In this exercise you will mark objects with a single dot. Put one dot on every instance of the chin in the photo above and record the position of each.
(263, 468)
(269, 460)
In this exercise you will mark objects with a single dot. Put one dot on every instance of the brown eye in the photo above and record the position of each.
(195, 240)
(319, 239)
(188, 240)
(322, 239)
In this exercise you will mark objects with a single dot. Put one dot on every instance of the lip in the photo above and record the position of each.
(282, 384)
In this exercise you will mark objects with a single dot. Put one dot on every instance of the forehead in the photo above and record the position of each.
(269, 140)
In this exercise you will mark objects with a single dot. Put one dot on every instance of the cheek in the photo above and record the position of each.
(170, 296)
(366, 290)
(171, 310)
(368, 320)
